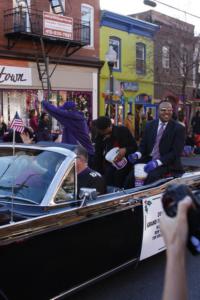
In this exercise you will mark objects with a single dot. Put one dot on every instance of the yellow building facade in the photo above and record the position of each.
(127, 86)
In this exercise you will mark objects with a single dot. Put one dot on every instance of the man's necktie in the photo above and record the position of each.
(156, 152)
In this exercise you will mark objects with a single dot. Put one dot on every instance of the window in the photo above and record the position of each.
(56, 2)
(66, 192)
(183, 61)
(140, 58)
(115, 43)
(87, 19)
(21, 16)
(165, 57)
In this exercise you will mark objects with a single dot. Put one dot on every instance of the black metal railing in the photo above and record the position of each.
(23, 20)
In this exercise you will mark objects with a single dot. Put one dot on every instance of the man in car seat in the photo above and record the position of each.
(87, 178)
(160, 148)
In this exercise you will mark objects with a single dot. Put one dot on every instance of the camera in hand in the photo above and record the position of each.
(172, 196)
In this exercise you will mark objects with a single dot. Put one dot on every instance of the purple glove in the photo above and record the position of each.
(150, 166)
(132, 158)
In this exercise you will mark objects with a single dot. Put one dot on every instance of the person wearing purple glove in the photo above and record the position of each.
(151, 165)
(160, 148)
(133, 157)
(75, 129)
(108, 137)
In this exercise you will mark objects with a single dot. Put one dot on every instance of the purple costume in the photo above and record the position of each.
(75, 129)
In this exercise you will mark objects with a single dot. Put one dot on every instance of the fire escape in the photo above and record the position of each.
(24, 22)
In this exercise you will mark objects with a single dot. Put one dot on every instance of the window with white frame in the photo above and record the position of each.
(140, 58)
(21, 16)
(87, 19)
(166, 57)
(116, 45)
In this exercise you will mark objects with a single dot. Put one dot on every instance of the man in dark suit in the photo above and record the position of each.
(110, 136)
(161, 147)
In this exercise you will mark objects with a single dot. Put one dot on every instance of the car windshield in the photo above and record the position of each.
(28, 173)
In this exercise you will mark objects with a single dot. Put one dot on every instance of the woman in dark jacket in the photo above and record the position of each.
(44, 128)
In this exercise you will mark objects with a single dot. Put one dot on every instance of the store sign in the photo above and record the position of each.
(57, 26)
(152, 242)
(129, 86)
(142, 99)
(15, 76)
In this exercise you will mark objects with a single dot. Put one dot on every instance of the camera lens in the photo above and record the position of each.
(169, 206)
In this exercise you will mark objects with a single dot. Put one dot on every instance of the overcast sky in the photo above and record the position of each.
(126, 7)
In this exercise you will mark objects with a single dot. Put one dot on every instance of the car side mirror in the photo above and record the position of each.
(87, 194)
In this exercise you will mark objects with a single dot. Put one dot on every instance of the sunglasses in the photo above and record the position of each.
(166, 109)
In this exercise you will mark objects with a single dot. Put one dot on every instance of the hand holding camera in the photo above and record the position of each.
(171, 198)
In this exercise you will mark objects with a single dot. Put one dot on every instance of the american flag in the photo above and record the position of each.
(17, 123)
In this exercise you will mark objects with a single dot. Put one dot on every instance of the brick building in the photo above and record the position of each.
(54, 51)
(174, 59)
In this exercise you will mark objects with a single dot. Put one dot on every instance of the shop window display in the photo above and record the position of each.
(23, 101)
(14, 101)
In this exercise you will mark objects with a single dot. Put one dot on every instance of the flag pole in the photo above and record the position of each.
(13, 182)
(16, 125)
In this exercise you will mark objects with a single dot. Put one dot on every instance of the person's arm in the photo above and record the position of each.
(59, 114)
(175, 234)
(128, 143)
(177, 147)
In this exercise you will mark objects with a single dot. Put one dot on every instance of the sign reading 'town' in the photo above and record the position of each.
(15, 76)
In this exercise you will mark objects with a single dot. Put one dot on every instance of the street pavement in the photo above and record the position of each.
(143, 283)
